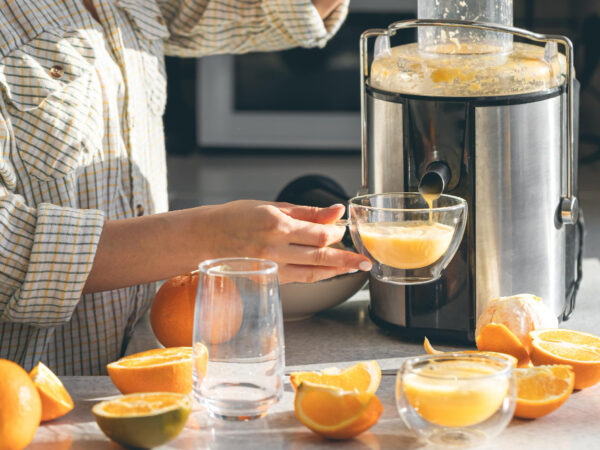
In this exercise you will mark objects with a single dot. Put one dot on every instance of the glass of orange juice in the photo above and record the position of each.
(409, 239)
(456, 399)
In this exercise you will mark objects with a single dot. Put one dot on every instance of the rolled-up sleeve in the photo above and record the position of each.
(205, 27)
(46, 252)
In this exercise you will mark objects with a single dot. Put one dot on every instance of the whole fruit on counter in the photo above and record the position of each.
(172, 311)
(20, 407)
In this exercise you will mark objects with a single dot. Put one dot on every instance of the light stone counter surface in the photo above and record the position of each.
(343, 335)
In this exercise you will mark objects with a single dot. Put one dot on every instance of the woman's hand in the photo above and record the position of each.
(326, 7)
(295, 237)
(155, 247)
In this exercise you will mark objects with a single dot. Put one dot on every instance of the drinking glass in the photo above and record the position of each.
(407, 241)
(238, 319)
(456, 399)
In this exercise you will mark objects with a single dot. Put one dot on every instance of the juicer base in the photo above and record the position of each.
(450, 336)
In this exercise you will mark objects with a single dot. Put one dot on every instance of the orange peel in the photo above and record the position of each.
(497, 337)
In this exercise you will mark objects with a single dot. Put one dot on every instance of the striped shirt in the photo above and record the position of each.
(81, 142)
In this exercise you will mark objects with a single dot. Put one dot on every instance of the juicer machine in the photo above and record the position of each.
(493, 121)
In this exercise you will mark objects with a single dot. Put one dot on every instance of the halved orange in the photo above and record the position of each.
(56, 401)
(157, 370)
(542, 389)
(364, 376)
(143, 420)
(575, 348)
(497, 337)
(335, 413)
(432, 351)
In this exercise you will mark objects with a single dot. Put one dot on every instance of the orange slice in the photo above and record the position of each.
(575, 348)
(158, 370)
(56, 401)
(542, 389)
(143, 420)
(497, 337)
(364, 377)
(334, 413)
(429, 348)
(432, 351)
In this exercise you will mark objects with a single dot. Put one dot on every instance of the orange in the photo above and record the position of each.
(143, 420)
(172, 311)
(56, 401)
(575, 348)
(432, 351)
(542, 389)
(158, 370)
(520, 313)
(363, 377)
(20, 407)
(496, 337)
(429, 348)
(334, 413)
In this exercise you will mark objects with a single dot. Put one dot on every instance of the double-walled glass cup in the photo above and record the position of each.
(238, 319)
(456, 399)
(407, 241)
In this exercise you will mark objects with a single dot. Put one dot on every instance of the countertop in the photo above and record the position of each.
(339, 337)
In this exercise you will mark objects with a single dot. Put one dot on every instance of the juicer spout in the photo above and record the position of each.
(436, 178)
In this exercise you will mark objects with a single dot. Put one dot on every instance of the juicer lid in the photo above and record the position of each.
(467, 71)
(466, 62)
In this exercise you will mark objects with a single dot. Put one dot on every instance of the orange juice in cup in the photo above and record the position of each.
(406, 245)
(456, 399)
(409, 239)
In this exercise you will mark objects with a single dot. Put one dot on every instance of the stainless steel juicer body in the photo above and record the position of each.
(513, 159)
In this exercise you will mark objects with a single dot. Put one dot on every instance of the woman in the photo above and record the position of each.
(84, 232)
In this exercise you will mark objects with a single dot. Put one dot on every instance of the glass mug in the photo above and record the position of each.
(407, 241)
(238, 319)
(455, 399)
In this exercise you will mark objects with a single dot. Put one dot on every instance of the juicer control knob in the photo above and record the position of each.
(569, 210)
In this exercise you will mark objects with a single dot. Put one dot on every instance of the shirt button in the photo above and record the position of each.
(160, 19)
(139, 210)
(57, 71)
(131, 122)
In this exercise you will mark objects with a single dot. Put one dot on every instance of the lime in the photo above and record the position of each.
(143, 420)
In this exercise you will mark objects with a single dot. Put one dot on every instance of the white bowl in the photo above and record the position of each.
(302, 300)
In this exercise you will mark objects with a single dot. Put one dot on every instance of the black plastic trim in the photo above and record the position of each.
(456, 336)
(503, 100)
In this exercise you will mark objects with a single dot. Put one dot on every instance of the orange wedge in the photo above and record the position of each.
(143, 420)
(497, 337)
(575, 348)
(334, 413)
(429, 348)
(363, 377)
(542, 389)
(56, 401)
(158, 370)
(432, 351)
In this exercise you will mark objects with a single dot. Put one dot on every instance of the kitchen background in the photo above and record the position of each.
(245, 126)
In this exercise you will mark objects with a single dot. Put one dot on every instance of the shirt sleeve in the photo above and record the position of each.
(205, 27)
(46, 251)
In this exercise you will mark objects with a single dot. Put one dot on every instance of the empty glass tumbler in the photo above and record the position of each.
(238, 320)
